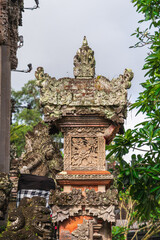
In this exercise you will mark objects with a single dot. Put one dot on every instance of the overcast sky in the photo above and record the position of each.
(54, 32)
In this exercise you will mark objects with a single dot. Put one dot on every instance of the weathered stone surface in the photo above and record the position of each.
(98, 204)
(14, 164)
(98, 96)
(84, 62)
(91, 198)
(84, 148)
(5, 189)
(30, 221)
(10, 19)
(89, 111)
(83, 231)
(5, 88)
(41, 156)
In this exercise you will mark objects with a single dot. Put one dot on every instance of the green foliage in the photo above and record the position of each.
(27, 109)
(150, 9)
(118, 233)
(27, 113)
(17, 137)
(142, 174)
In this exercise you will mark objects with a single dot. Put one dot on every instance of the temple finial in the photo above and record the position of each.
(85, 43)
(84, 62)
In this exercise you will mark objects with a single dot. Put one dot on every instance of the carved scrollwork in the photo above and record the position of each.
(66, 199)
(31, 220)
(92, 198)
(107, 198)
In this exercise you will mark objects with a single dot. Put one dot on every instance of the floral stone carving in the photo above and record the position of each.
(97, 204)
(30, 221)
(5, 189)
(41, 156)
(92, 198)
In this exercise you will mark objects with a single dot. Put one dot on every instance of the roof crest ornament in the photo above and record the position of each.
(84, 62)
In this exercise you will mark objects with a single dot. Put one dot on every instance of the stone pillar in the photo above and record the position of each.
(5, 88)
(89, 112)
(10, 19)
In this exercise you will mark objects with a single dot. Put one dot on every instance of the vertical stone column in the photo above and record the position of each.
(89, 111)
(5, 87)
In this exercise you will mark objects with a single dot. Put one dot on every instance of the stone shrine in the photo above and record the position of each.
(89, 111)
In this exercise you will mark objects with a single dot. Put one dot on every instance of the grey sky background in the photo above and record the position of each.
(54, 32)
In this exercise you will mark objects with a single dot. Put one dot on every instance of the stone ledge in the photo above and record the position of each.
(84, 178)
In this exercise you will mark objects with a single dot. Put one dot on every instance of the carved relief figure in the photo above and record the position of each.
(41, 156)
(84, 151)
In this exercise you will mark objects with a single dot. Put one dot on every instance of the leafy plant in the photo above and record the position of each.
(27, 112)
(118, 233)
(142, 173)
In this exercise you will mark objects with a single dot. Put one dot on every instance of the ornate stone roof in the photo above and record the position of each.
(84, 94)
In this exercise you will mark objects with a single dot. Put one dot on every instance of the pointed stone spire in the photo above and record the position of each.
(85, 42)
(84, 62)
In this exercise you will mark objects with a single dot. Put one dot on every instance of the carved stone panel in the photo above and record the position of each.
(84, 148)
(84, 152)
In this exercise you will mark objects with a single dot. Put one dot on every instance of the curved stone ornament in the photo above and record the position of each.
(30, 221)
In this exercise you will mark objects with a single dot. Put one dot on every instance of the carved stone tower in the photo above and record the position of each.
(89, 111)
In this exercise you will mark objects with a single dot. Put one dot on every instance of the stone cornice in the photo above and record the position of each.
(97, 96)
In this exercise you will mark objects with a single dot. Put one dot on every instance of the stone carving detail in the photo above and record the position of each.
(102, 212)
(5, 189)
(10, 19)
(92, 198)
(67, 96)
(101, 151)
(96, 230)
(84, 148)
(88, 230)
(67, 152)
(41, 156)
(31, 220)
(82, 232)
(98, 204)
(89, 111)
(59, 214)
(65, 176)
(84, 152)
(84, 62)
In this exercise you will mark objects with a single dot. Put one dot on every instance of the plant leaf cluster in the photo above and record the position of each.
(27, 112)
(142, 172)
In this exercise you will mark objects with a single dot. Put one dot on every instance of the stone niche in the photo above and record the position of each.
(89, 111)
